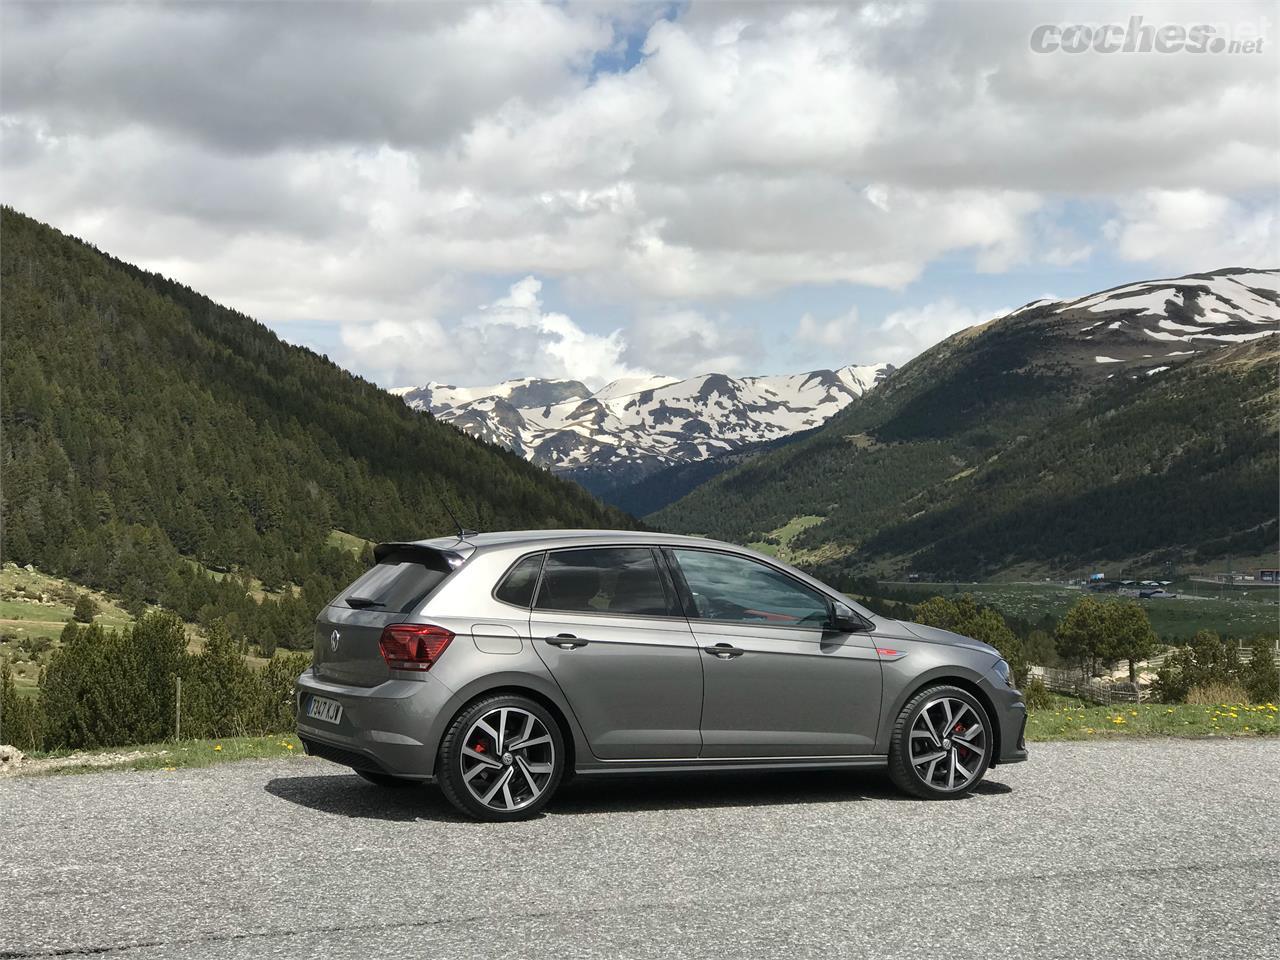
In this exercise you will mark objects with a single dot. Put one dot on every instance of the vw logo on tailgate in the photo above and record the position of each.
(335, 638)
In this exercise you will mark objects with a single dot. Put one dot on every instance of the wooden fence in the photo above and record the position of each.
(1107, 692)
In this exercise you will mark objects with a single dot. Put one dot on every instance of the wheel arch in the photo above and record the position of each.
(519, 685)
(942, 677)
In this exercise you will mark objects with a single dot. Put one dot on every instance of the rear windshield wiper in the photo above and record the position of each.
(362, 603)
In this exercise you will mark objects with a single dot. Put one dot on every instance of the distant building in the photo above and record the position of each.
(1269, 576)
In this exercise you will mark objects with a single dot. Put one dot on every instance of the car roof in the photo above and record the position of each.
(516, 541)
(547, 538)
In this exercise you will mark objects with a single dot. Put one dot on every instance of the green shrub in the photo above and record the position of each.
(21, 721)
(1209, 663)
(108, 688)
(1260, 677)
(1037, 695)
(85, 609)
(277, 707)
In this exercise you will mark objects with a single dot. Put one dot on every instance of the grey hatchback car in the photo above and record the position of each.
(500, 664)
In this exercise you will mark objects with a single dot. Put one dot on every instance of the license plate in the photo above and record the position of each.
(320, 708)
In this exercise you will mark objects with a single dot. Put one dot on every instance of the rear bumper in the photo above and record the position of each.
(383, 729)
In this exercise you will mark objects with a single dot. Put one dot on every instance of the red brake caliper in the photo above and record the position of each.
(960, 728)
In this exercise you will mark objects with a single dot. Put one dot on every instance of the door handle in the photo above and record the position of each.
(725, 651)
(566, 641)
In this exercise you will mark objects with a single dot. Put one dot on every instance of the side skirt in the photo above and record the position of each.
(596, 768)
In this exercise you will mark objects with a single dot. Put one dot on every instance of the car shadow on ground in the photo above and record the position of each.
(350, 796)
(745, 789)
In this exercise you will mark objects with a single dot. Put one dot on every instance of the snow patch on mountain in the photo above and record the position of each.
(1197, 313)
(644, 422)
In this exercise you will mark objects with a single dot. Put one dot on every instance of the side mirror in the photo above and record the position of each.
(844, 620)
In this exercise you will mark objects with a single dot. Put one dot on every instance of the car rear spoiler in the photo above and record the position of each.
(434, 558)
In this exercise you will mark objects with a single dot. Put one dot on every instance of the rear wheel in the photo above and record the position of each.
(385, 780)
(941, 744)
(501, 759)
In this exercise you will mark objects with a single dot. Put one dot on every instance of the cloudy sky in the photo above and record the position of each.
(467, 193)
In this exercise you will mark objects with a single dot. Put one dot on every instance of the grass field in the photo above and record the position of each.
(348, 541)
(1072, 720)
(162, 756)
(1245, 613)
(779, 542)
(34, 607)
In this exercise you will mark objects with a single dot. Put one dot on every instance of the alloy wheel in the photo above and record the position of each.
(508, 758)
(948, 743)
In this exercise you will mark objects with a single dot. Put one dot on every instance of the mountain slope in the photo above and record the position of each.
(1135, 423)
(143, 421)
(632, 428)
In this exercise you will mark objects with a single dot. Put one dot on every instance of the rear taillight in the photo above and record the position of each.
(413, 646)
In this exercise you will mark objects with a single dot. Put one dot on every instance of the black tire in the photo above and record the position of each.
(385, 780)
(450, 763)
(923, 778)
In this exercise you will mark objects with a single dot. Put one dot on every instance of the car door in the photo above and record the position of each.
(607, 624)
(776, 681)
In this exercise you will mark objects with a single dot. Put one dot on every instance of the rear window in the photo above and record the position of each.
(517, 586)
(397, 584)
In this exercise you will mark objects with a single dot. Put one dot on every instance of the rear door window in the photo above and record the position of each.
(604, 580)
(399, 583)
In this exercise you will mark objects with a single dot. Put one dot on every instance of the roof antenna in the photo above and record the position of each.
(463, 533)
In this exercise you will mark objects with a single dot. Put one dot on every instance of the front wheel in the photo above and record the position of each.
(941, 744)
(502, 759)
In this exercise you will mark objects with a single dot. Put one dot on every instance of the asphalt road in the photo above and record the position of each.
(1138, 849)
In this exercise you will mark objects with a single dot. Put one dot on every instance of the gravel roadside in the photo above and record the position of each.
(1166, 848)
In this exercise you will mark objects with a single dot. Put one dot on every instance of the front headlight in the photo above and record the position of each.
(1002, 671)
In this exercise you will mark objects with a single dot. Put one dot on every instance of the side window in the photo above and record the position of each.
(603, 580)
(740, 590)
(517, 586)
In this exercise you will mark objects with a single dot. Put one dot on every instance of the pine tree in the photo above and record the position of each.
(1128, 635)
(1080, 633)
(1260, 677)
(85, 609)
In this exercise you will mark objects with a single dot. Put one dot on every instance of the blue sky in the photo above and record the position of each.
(466, 193)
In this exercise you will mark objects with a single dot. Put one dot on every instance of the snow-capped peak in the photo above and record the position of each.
(644, 422)
(1143, 321)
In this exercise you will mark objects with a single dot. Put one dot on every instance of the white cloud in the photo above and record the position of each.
(513, 335)
(905, 333)
(837, 332)
(685, 342)
(1190, 230)
(375, 164)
